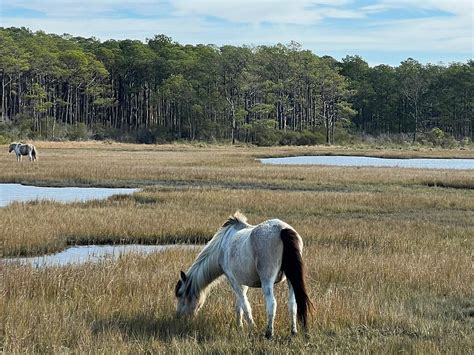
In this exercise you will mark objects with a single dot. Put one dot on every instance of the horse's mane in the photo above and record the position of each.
(18, 143)
(205, 268)
(236, 218)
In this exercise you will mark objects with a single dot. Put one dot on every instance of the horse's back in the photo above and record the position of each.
(268, 234)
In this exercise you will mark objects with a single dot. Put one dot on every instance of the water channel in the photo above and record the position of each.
(93, 253)
(76, 255)
(340, 160)
(22, 193)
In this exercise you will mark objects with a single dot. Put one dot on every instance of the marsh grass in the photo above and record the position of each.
(385, 304)
(159, 216)
(125, 165)
(389, 258)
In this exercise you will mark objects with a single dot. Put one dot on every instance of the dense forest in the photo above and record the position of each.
(65, 87)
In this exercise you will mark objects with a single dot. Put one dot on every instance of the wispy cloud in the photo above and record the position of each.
(391, 29)
(459, 7)
(298, 12)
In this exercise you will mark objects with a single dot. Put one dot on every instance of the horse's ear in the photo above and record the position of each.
(183, 276)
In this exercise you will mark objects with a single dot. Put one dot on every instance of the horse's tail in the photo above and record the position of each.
(34, 153)
(293, 267)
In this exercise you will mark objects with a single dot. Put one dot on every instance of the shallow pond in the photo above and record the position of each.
(340, 160)
(16, 192)
(90, 253)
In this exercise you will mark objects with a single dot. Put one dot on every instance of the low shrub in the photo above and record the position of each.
(78, 132)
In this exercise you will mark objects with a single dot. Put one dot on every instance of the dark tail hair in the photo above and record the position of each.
(293, 267)
(34, 153)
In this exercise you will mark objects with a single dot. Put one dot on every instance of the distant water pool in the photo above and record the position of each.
(340, 160)
(16, 192)
(90, 253)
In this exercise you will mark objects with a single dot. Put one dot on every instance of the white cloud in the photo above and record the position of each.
(460, 7)
(302, 12)
(242, 11)
(86, 8)
(265, 22)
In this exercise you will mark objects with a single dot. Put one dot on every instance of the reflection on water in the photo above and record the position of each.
(339, 160)
(90, 253)
(21, 193)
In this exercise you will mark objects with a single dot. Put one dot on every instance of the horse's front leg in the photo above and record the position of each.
(267, 288)
(239, 307)
(18, 157)
(242, 301)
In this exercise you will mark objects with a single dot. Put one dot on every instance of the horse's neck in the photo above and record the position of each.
(203, 272)
(207, 268)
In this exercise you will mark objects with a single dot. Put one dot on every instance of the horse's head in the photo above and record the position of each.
(188, 303)
(11, 148)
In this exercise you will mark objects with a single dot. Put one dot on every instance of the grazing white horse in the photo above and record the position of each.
(249, 256)
(23, 149)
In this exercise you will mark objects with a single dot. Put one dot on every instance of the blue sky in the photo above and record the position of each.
(381, 31)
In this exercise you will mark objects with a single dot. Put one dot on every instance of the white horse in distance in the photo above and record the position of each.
(249, 256)
(23, 149)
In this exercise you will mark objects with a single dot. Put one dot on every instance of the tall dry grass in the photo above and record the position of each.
(389, 258)
(383, 218)
(99, 164)
(365, 302)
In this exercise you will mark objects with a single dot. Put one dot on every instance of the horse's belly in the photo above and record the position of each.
(248, 277)
(257, 284)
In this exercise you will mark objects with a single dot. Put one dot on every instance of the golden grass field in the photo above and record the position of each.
(388, 251)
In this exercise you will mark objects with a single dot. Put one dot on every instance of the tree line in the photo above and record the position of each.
(162, 90)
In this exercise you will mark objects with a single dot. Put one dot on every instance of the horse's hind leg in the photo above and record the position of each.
(271, 305)
(268, 268)
(292, 308)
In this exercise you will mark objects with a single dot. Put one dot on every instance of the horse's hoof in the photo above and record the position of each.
(268, 335)
(294, 332)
